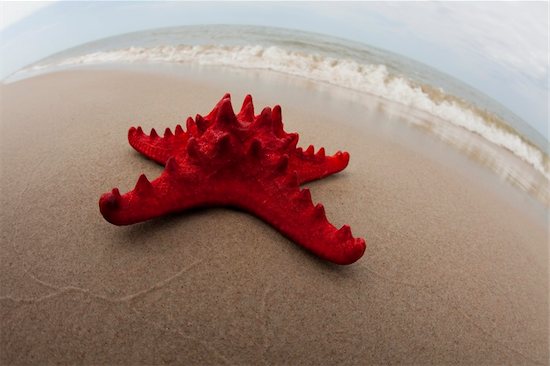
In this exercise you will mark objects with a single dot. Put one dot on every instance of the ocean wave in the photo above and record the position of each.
(368, 78)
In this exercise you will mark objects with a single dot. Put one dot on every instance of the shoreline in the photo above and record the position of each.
(499, 159)
(455, 270)
(496, 124)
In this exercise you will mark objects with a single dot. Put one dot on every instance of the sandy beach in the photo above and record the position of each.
(455, 271)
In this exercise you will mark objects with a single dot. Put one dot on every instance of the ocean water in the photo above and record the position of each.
(467, 119)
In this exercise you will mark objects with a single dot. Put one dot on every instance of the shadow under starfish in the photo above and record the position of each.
(245, 161)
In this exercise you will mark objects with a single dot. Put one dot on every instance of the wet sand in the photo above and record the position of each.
(455, 272)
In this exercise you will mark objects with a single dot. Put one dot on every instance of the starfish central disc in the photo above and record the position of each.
(246, 161)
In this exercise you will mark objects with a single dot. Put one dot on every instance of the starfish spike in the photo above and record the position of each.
(238, 160)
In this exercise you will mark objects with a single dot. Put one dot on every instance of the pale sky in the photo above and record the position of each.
(14, 11)
(500, 48)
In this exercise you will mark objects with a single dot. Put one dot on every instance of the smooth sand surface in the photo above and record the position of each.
(455, 272)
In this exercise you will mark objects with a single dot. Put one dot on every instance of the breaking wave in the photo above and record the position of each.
(362, 77)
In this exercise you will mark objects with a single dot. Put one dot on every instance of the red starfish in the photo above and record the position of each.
(243, 161)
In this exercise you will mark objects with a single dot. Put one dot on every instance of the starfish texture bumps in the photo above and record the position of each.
(245, 161)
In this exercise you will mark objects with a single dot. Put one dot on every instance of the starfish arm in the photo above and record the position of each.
(310, 166)
(173, 191)
(155, 147)
(160, 149)
(292, 212)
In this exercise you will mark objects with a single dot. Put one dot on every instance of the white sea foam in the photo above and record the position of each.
(368, 78)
